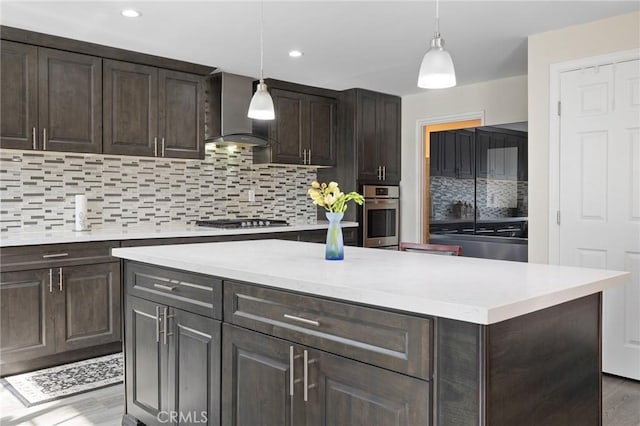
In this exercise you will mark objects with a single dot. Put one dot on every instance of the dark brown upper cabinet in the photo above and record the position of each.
(377, 131)
(453, 154)
(304, 130)
(152, 112)
(51, 99)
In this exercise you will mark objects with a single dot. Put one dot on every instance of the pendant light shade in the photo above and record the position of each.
(261, 106)
(436, 70)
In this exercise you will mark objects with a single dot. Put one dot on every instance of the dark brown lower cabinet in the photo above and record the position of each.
(271, 381)
(56, 310)
(26, 314)
(172, 365)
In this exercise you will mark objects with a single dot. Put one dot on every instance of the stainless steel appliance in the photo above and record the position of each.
(380, 216)
(241, 223)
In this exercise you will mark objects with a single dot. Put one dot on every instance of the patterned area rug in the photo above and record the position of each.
(38, 387)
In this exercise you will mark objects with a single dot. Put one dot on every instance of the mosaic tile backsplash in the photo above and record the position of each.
(37, 189)
(496, 198)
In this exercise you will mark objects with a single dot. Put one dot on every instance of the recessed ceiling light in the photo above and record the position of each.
(295, 53)
(130, 13)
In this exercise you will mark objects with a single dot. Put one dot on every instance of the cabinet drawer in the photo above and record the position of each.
(394, 341)
(195, 293)
(56, 255)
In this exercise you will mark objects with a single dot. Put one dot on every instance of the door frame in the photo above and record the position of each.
(420, 156)
(555, 72)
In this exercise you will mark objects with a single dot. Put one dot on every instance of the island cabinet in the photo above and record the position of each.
(172, 347)
(305, 128)
(254, 338)
(303, 369)
(51, 99)
(152, 112)
(59, 303)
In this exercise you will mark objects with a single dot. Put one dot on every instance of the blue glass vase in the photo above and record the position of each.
(335, 245)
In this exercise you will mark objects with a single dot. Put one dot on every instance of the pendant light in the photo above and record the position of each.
(261, 106)
(436, 71)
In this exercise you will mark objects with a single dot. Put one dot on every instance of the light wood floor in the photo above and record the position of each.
(104, 407)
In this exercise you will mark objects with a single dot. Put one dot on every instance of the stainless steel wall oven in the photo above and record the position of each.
(381, 216)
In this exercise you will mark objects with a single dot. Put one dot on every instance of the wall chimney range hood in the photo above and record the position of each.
(229, 96)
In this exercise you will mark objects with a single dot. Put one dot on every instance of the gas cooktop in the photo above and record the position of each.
(241, 223)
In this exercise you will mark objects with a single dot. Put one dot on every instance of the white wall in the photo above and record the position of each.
(595, 38)
(503, 101)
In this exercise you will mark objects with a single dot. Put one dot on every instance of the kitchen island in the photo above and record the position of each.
(268, 332)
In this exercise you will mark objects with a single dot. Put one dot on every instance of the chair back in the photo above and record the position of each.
(443, 249)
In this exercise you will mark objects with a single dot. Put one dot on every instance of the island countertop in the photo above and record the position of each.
(479, 291)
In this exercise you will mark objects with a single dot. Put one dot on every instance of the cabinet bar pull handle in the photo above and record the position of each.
(164, 287)
(60, 280)
(304, 156)
(290, 370)
(309, 157)
(35, 139)
(157, 324)
(384, 172)
(164, 324)
(163, 147)
(306, 375)
(51, 256)
(303, 320)
(155, 147)
(50, 280)
(44, 138)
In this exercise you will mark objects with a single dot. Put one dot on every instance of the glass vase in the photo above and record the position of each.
(335, 246)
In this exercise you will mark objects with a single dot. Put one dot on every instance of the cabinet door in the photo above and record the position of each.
(483, 144)
(465, 154)
(18, 95)
(130, 108)
(256, 380)
(146, 361)
(287, 130)
(523, 158)
(322, 130)
(87, 309)
(367, 135)
(497, 157)
(70, 101)
(181, 115)
(435, 153)
(194, 366)
(26, 312)
(346, 392)
(389, 137)
(449, 154)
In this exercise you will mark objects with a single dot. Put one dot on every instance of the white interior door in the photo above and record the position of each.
(600, 195)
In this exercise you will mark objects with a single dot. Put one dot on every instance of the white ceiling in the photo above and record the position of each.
(371, 44)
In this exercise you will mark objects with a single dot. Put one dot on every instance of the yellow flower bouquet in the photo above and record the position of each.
(331, 198)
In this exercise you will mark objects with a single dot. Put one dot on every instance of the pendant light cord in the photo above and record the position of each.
(261, 40)
(437, 18)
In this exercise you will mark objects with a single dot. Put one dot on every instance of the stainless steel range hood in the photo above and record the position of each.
(228, 102)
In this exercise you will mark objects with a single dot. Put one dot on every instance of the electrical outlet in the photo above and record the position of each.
(251, 195)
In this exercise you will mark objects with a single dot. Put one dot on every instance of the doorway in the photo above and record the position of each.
(426, 167)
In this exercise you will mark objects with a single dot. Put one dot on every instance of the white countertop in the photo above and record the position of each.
(12, 239)
(480, 291)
